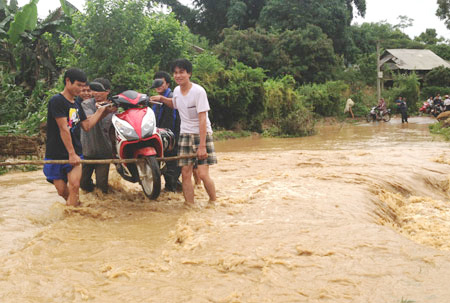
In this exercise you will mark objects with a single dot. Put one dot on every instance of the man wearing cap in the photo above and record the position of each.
(168, 118)
(96, 143)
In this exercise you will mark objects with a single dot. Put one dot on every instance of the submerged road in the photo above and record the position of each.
(356, 213)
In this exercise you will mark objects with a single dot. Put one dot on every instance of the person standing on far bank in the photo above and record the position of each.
(348, 107)
(65, 117)
(404, 110)
(195, 131)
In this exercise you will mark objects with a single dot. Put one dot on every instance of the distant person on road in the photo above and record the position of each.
(348, 107)
(398, 102)
(404, 111)
(447, 103)
(96, 143)
(382, 106)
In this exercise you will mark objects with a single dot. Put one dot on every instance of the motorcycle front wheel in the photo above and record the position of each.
(387, 117)
(369, 118)
(150, 177)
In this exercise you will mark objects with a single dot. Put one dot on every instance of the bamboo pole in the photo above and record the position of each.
(99, 161)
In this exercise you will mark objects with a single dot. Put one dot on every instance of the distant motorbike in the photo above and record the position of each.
(426, 108)
(376, 115)
(137, 137)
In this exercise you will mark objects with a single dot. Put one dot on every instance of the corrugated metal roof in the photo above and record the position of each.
(414, 59)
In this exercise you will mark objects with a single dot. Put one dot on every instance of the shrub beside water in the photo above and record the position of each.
(285, 113)
(438, 129)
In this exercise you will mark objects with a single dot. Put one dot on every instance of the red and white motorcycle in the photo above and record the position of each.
(137, 137)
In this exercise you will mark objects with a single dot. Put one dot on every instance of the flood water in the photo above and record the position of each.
(356, 213)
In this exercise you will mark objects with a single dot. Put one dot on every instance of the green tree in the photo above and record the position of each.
(307, 54)
(285, 113)
(235, 93)
(442, 50)
(429, 37)
(25, 49)
(332, 16)
(210, 17)
(324, 99)
(116, 35)
(439, 76)
(443, 11)
(404, 22)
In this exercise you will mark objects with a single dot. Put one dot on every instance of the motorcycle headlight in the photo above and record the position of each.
(148, 124)
(126, 130)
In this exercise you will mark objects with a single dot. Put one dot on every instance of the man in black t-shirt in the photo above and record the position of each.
(64, 119)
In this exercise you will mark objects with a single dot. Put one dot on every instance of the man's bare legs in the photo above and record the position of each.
(196, 178)
(70, 191)
(74, 177)
(61, 187)
(208, 183)
(188, 188)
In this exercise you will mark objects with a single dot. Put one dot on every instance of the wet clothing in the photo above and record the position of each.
(189, 143)
(58, 107)
(96, 145)
(169, 118)
(189, 107)
(56, 171)
(101, 176)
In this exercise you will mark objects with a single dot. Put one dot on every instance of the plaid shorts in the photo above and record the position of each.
(188, 144)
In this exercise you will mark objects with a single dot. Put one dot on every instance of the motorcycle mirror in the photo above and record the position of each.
(97, 87)
(157, 83)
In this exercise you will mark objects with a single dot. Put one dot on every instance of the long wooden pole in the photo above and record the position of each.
(100, 161)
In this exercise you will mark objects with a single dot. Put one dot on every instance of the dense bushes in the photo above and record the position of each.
(306, 54)
(12, 99)
(325, 99)
(285, 113)
(235, 93)
(275, 79)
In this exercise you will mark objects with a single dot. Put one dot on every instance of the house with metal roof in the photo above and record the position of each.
(401, 60)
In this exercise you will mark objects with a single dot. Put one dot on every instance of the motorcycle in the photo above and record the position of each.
(137, 137)
(426, 108)
(376, 115)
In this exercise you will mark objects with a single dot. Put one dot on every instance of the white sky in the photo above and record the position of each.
(422, 11)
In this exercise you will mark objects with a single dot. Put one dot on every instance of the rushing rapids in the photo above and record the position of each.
(357, 213)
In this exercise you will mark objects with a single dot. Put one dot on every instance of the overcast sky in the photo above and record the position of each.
(422, 11)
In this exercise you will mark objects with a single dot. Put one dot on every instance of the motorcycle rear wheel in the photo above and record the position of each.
(150, 177)
(387, 117)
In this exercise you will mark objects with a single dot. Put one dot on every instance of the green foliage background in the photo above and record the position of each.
(271, 66)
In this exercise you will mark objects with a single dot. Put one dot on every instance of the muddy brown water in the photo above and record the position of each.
(356, 213)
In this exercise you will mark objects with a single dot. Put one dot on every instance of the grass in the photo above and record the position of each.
(438, 129)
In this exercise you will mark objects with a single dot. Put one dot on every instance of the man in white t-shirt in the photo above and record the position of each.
(191, 101)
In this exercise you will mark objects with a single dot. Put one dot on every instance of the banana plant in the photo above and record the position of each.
(24, 47)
